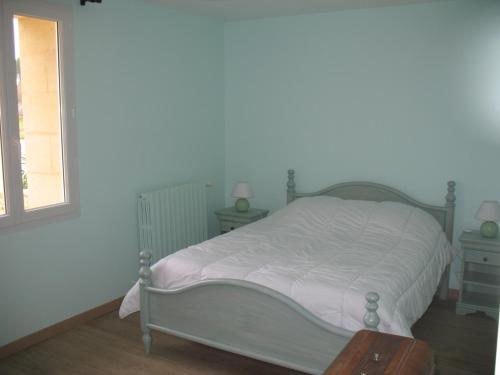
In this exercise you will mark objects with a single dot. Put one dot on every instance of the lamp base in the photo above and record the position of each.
(242, 205)
(489, 229)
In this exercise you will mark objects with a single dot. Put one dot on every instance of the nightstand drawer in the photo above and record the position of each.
(228, 226)
(482, 257)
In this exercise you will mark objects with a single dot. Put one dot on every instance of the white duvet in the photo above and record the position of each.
(326, 254)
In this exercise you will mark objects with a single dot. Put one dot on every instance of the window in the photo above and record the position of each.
(38, 176)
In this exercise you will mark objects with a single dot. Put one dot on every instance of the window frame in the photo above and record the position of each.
(16, 215)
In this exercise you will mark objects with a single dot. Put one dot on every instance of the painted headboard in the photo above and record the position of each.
(370, 191)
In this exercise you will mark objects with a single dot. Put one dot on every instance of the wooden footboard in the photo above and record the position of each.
(245, 318)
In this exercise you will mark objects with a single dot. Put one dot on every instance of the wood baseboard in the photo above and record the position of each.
(55, 329)
(453, 294)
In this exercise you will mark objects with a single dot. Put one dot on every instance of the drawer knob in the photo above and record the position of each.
(376, 357)
(485, 259)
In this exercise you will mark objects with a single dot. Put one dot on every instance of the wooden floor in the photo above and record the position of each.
(108, 345)
(463, 345)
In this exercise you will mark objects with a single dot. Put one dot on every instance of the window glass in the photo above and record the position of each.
(39, 108)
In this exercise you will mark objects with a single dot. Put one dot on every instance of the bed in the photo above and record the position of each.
(292, 289)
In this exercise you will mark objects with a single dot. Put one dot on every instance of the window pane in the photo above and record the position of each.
(2, 189)
(36, 50)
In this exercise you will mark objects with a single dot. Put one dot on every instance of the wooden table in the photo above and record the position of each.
(375, 353)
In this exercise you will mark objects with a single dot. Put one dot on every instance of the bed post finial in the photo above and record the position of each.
(448, 229)
(450, 197)
(144, 282)
(290, 185)
(450, 209)
(371, 318)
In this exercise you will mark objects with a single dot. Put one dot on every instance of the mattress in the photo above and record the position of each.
(325, 253)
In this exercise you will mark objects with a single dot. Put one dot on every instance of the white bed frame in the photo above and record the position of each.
(252, 320)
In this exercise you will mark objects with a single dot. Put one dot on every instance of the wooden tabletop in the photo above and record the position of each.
(375, 353)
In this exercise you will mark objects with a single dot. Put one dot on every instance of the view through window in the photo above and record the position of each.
(39, 108)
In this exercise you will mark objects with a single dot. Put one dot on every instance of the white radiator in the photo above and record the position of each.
(172, 218)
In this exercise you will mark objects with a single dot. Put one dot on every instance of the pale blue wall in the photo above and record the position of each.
(407, 96)
(149, 112)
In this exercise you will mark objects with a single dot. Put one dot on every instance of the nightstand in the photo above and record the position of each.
(230, 219)
(481, 275)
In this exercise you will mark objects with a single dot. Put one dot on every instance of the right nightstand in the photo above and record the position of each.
(480, 289)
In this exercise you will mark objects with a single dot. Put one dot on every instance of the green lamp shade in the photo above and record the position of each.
(242, 205)
(489, 229)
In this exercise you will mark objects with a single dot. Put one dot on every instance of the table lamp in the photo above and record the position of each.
(242, 191)
(489, 213)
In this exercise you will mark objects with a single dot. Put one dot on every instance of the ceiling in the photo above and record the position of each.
(229, 10)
